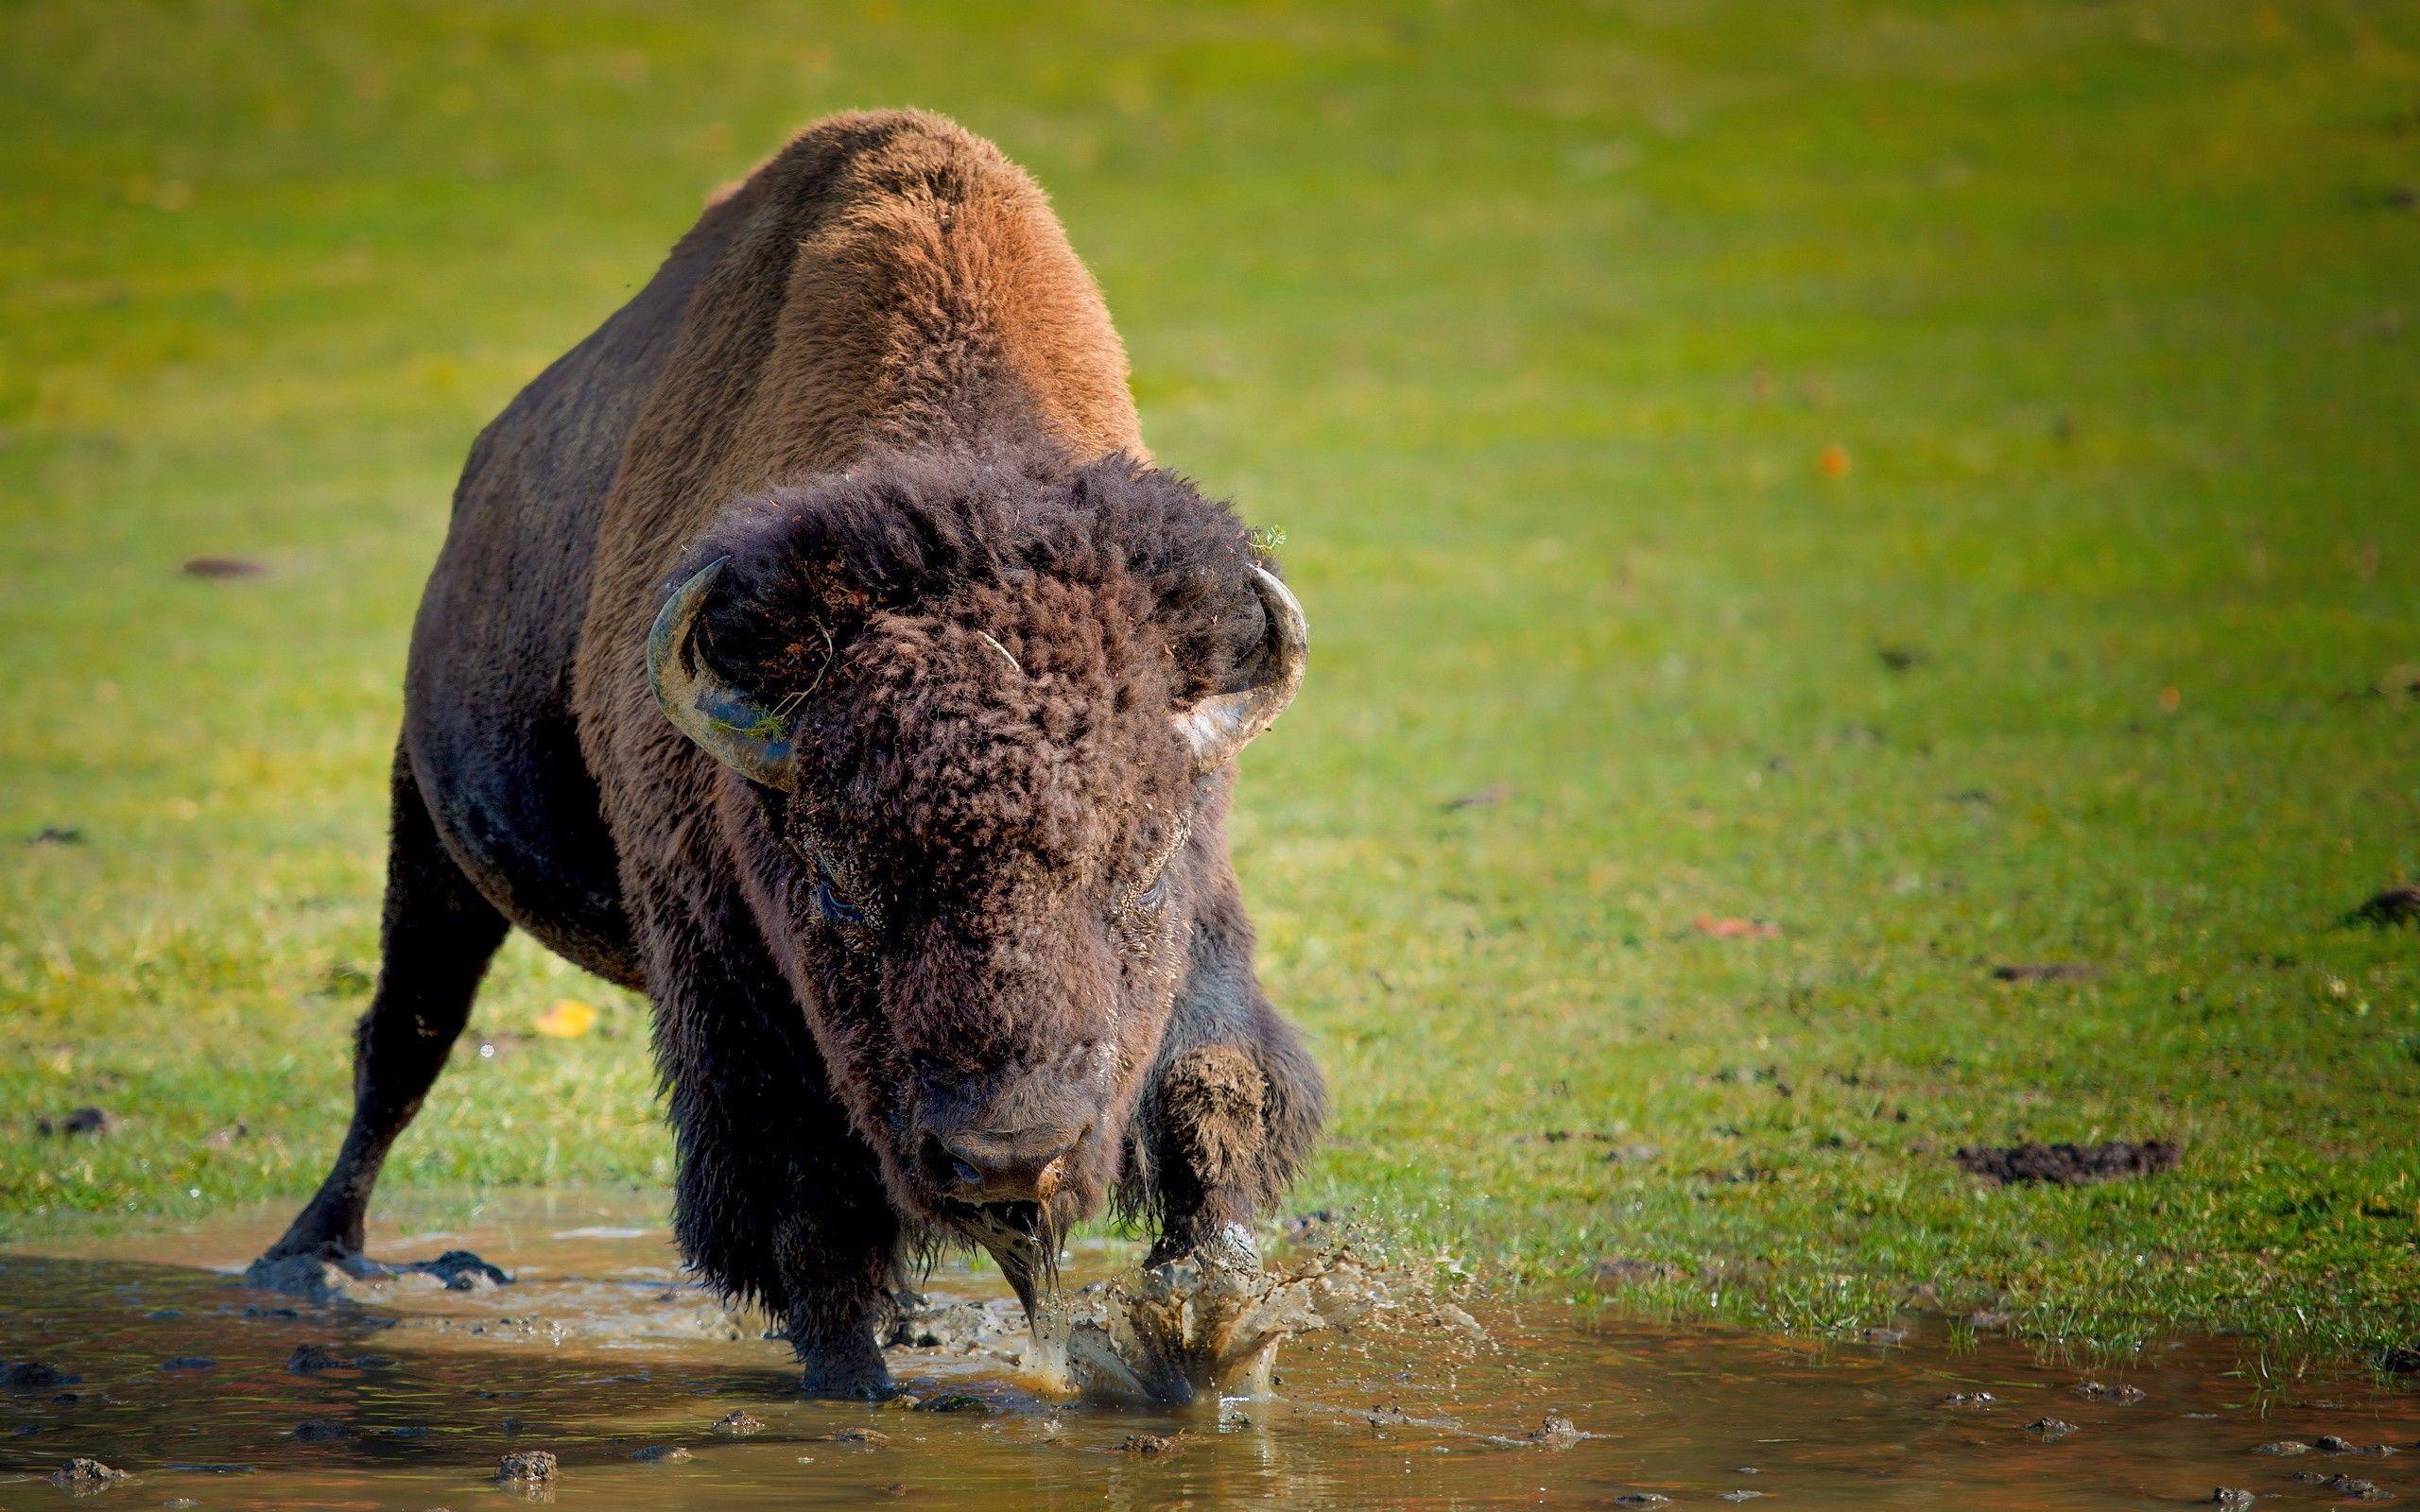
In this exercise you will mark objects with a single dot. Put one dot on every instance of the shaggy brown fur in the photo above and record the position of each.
(994, 921)
(1215, 1102)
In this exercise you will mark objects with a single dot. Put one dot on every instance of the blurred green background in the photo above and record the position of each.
(1933, 480)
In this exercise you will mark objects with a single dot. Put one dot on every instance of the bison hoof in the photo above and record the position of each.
(847, 1381)
(1223, 1259)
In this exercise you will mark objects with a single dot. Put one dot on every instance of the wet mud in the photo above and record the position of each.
(2068, 1165)
(597, 1377)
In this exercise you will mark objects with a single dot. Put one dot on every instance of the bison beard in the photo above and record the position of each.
(815, 649)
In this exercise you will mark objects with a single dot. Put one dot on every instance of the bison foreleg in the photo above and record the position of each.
(1213, 1164)
(776, 1202)
(808, 1239)
(832, 1323)
(437, 936)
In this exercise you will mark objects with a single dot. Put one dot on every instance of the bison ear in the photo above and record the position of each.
(734, 729)
(1219, 726)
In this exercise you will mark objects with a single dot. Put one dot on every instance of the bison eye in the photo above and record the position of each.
(1149, 897)
(1153, 896)
(829, 898)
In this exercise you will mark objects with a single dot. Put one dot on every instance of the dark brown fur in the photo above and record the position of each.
(876, 380)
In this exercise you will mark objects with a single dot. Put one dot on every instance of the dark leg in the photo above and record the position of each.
(437, 938)
(776, 1201)
(800, 1238)
(840, 1272)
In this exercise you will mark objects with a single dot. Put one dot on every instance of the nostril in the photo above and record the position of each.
(1068, 1147)
(946, 1166)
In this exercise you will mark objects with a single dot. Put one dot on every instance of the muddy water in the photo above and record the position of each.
(598, 1354)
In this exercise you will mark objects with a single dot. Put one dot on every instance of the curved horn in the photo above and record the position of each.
(1219, 726)
(734, 728)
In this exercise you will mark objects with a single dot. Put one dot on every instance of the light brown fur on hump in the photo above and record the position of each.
(885, 279)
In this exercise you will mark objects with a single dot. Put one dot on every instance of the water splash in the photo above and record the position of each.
(1190, 1329)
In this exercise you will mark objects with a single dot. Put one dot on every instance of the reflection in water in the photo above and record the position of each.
(598, 1354)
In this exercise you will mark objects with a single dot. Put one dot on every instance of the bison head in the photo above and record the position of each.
(985, 712)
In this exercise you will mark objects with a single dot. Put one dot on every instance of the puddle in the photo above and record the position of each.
(599, 1355)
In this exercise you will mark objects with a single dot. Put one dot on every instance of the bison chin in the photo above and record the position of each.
(1022, 1234)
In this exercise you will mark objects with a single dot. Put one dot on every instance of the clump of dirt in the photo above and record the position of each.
(1484, 798)
(2344, 1486)
(862, 1437)
(459, 1269)
(527, 1466)
(2101, 1391)
(736, 1424)
(1186, 1327)
(2043, 972)
(224, 568)
(962, 1327)
(2390, 910)
(355, 1278)
(1147, 1444)
(2335, 1444)
(2068, 1165)
(33, 1375)
(80, 1123)
(81, 1474)
(2283, 1448)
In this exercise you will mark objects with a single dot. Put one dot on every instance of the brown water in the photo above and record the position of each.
(599, 1351)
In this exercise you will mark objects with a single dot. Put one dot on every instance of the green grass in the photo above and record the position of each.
(1529, 325)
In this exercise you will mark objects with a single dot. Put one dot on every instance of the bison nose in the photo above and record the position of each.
(999, 1165)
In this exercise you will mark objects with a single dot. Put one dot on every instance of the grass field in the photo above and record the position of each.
(1938, 479)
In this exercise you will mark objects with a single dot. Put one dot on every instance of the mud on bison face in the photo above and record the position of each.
(978, 798)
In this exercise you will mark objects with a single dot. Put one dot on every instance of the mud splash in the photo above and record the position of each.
(599, 1379)
(1182, 1332)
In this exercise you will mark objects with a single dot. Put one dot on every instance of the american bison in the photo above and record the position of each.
(816, 649)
